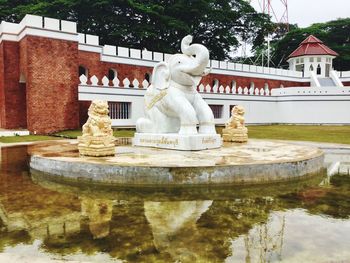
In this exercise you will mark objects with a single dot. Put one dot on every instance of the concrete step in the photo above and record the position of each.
(326, 82)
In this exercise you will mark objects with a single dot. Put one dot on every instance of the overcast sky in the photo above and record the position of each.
(307, 12)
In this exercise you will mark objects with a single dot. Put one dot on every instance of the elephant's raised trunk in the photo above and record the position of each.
(200, 54)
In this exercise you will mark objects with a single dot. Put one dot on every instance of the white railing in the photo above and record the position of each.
(135, 84)
(313, 80)
(334, 76)
(343, 74)
(311, 91)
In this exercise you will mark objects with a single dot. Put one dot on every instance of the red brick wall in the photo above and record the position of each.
(2, 83)
(346, 83)
(92, 62)
(13, 99)
(83, 111)
(51, 67)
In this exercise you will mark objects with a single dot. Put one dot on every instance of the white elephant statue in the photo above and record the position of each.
(172, 103)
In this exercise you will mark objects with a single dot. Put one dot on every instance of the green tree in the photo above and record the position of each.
(335, 34)
(156, 25)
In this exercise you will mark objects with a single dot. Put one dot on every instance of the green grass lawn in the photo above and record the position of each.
(27, 138)
(75, 133)
(324, 133)
(333, 134)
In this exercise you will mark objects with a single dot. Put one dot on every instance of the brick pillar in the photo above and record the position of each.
(2, 83)
(12, 93)
(50, 67)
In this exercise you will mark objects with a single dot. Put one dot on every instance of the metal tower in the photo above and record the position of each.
(278, 11)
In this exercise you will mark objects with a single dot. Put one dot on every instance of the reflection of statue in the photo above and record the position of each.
(97, 139)
(172, 103)
(99, 213)
(174, 227)
(235, 131)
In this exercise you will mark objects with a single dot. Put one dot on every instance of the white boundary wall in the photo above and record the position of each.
(297, 105)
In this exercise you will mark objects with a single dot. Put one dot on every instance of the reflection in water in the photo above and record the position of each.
(303, 223)
(174, 227)
(97, 214)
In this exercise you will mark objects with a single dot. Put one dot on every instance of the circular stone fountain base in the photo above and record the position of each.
(258, 161)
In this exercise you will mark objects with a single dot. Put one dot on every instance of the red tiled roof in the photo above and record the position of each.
(312, 46)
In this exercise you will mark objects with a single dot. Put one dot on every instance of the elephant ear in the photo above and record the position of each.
(161, 76)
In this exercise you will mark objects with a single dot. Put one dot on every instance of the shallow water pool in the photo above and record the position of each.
(43, 221)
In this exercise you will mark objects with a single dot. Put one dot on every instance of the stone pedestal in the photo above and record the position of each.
(235, 135)
(96, 146)
(176, 141)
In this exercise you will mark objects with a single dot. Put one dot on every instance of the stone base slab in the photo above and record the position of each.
(176, 141)
(235, 137)
(97, 151)
(96, 146)
(257, 161)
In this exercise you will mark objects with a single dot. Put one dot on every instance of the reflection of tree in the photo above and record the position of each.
(13, 159)
(264, 242)
(10, 239)
(332, 201)
(28, 210)
(227, 220)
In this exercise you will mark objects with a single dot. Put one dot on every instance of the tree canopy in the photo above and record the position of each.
(335, 34)
(156, 25)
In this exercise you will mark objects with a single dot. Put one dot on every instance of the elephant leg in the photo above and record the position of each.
(205, 116)
(185, 112)
(156, 122)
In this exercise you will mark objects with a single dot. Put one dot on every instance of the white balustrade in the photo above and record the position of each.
(136, 83)
(126, 83)
(94, 80)
(234, 91)
(116, 82)
(145, 84)
(207, 88)
(83, 80)
(105, 81)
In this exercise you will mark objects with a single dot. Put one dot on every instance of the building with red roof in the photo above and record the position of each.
(312, 55)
